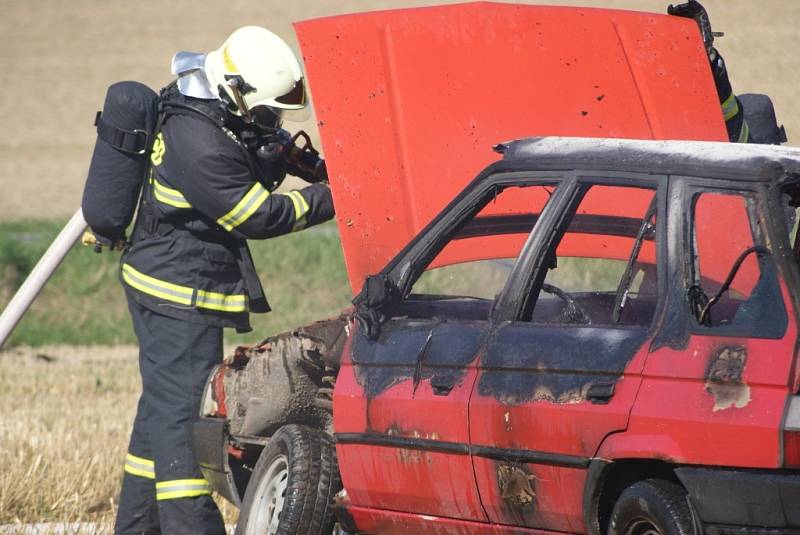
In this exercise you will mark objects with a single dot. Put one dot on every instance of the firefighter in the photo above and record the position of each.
(732, 109)
(188, 272)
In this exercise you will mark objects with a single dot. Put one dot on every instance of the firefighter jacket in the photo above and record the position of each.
(732, 111)
(205, 195)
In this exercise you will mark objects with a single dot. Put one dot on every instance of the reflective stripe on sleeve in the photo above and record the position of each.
(169, 196)
(182, 488)
(244, 208)
(218, 301)
(730, 107)
(744, 133)
(138, 466)
(183, 295)
(300, 209)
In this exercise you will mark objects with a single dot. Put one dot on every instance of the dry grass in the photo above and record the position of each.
(64, 432)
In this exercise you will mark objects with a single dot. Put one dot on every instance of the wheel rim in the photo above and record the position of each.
(642, 526)
(267, 505)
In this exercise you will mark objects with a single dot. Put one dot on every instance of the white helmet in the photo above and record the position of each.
(255, 67)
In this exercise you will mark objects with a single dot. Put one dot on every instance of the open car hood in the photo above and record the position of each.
(411, 101)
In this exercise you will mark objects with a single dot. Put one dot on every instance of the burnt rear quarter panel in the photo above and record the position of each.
(719, 401)
(709, 397)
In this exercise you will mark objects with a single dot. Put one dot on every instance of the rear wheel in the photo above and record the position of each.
(292, 485)
(652, 507)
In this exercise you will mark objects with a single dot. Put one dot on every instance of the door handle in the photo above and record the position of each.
(442, 384)
(600, 392)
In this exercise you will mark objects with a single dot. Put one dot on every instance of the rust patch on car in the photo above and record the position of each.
(724, 378)
(408, 455)
(516, 485)
(565, 396)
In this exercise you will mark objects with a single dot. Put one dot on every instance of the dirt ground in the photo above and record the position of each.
(58, 57)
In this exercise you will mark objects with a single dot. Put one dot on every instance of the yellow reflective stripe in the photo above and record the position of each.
(182, 488)
(300, 209)
(218, 301)
(744, 133)
(229, 64)
(183, 295)
(168, 196)
(138, 466)
(159, 148)
(244, 208)
(730, 107)
(158, 288)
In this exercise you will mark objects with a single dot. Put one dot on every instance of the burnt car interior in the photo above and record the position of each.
(604, 273)
(601, 271)
(734, 285)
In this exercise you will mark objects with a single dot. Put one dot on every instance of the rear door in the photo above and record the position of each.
(724, 357)
(562, 367)
(401, 397)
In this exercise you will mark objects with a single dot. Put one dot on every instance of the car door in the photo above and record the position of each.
(561, 367)
(402, 393)
(720, 365)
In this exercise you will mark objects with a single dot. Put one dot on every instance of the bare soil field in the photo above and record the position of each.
(58, 57)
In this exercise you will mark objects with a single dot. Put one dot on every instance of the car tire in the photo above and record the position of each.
(292, 486)
(652, 507)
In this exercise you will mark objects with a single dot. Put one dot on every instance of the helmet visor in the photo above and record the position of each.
(295, 97)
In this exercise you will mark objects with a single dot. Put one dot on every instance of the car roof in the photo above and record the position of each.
(710, 159)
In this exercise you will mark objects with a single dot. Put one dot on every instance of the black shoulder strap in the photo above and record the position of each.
(129, 141)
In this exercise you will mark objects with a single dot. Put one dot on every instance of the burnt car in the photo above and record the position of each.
(622, 359)
(569, 334)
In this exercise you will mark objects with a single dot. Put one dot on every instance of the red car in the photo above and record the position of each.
(593, 335)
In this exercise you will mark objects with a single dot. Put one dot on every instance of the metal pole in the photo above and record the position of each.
(41, 274)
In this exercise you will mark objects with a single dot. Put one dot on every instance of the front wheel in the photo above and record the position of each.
(292, 485)
(652, 507)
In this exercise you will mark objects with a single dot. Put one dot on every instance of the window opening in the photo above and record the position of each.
(604, 268)
(734, 282)
(491, 240)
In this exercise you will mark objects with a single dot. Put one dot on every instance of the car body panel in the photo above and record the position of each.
(401, 444)
(548, 394)
(396, 523)
(544, 420)
(411, 101)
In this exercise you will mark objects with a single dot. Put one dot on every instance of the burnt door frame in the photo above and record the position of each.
(417, 371)
(515, 464)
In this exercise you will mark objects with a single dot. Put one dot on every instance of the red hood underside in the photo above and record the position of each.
(411, 101)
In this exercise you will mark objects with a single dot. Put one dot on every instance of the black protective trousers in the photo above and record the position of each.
(163, 490)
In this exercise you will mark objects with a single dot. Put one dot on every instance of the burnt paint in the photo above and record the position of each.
(516, 486)
(525, 362)
(724, 378)
(414, 349)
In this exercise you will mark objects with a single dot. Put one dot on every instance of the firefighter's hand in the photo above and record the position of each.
(691, 10)
(694, 10)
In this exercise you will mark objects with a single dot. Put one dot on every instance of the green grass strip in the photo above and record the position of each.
(303, 275)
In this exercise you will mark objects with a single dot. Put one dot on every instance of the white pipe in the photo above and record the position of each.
(41, 274)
